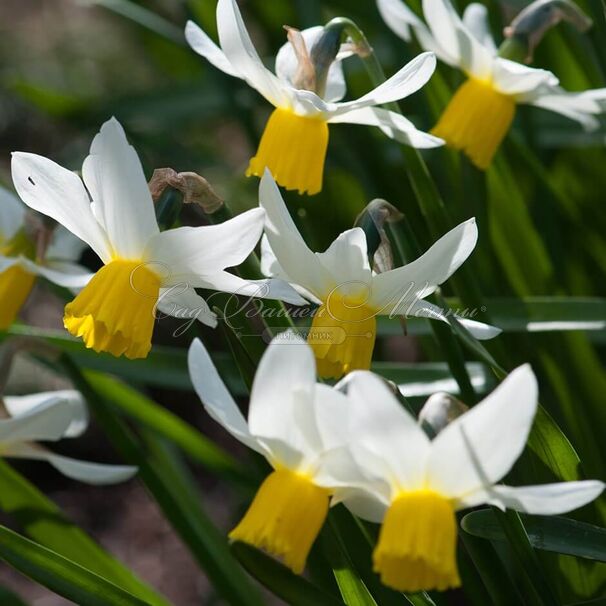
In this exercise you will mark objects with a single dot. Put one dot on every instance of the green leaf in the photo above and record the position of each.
(61, 575)
(292, 588)
(43, 521)
(550, 533)
(8, 598)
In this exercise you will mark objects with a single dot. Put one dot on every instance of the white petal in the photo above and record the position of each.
(299, 263)
(479, 447)
(456, 39)
(398, 17)
(64, 245)
(6, 262)
(83, 471)
(283, 390)
(393, 125)
(396, 290)
(513, 78)
(424, 309)
(70, 399)
(331, 408)
(362, 503)
(287, 65)
(122, 201)
(12, 214)
(581, 107)
(62, 273)
(272, 268)
(261, 289)
(214, 395)
(50, 420)
(60, 194)
(203, 251)
(346, 260)
(545, 499)
(380, 425)
(475, 19)
(204, 46)
(181, 301)
(403, 83)
(240, 52)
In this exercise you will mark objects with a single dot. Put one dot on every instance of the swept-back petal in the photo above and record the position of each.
(60, 194)
(403, 83)
(122, 201)
(297, 260)
(379, 424)
(475, 19)
(206, 250)
(214, 395)
(392, 124)
(456, 39)
(545, 499)
(478, 448)
(394, 291)
(241, 54)
(70, 399)
(83, 471)
(203, 45)
(283, 390)
(182, 302)
(513, 78)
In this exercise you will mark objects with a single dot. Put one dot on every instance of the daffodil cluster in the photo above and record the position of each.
(365, 450)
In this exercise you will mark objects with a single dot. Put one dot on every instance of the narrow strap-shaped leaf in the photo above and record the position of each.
(45, 523)
(61, 575)
(550, 533)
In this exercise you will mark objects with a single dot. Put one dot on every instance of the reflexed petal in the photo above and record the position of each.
(512, 78)
(380, 425)
(83, 471)
(346, 260)
(300, 264)
(204, 46)
(395, 290)
(403, 83)
(282, 392)
(393, 125)
(261, 289)
(287, 65)
(424, 309)
(204, 251)
(545, 499)
(122, 201)
(475, 19)
(456, 39)
(215, 397)
(181, 301)
(60, 194)
(240, 52)
(62, 273)
(479, 447)
(70, 399)
(363, 503)
(50, 420)
(12, 215)
(65, 246)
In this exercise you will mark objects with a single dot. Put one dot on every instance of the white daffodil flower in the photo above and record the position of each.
(294, 143)
(49, 417)
(19, 265)
(349, 293)
(144, 269)
(286, 411)
(391, 472)
(481, 112)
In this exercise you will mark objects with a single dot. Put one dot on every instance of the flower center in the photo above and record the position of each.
(293, 148)
(417, 543)
(476, 120)
(114, 312)
(284, 518)
(342, 335)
